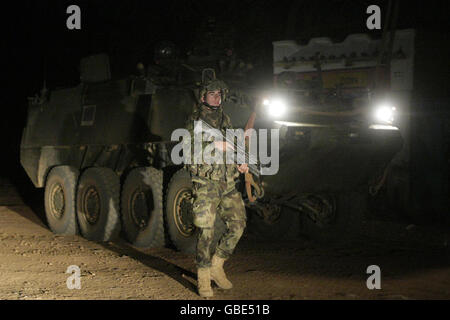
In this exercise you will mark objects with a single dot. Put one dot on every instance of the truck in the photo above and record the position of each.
(373, 113)
(342, 110)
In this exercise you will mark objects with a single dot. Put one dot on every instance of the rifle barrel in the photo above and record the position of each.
(236, 146)
(253, 167)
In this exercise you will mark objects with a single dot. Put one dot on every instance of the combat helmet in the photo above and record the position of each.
(213, 85)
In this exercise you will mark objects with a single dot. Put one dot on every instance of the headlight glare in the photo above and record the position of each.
(276, 108)
(385, 114)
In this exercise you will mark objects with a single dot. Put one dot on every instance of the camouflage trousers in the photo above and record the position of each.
(212, 200)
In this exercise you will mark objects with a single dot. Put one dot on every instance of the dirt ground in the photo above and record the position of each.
(414, 263)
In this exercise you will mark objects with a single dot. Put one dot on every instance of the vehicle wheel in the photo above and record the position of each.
(179, 217)
(142, 207)
(98, 204)
(59, 200)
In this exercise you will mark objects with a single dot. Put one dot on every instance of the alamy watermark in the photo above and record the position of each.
(74, 281)
(74, 20)
(374, 281)
(205, 150)
(374, 20)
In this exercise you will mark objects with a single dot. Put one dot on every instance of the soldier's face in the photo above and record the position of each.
(213, 98)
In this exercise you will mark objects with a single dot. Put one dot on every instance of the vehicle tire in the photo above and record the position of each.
(59, 200)
(178, 214)
(142, 207)
(98, 204)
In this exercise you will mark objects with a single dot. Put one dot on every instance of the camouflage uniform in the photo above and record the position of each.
(215, 195)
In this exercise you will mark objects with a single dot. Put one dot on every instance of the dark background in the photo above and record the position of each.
(36, 43)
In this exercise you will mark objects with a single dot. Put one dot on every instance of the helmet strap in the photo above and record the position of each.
(210, 106)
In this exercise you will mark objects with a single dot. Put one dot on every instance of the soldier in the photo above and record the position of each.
(215, 195)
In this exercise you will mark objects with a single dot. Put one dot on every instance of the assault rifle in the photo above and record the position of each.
(252, 162)
(253, 189)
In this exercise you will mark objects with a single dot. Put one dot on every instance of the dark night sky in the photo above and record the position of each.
(35, 35)
(36, 30)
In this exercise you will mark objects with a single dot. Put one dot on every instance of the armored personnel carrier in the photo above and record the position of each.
(102, 150)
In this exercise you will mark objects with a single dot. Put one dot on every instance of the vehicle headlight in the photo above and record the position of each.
(385, 114)
(275, 108)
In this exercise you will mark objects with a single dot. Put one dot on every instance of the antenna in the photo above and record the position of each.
(44, 90)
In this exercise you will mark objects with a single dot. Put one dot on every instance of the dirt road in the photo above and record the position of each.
(414, 264)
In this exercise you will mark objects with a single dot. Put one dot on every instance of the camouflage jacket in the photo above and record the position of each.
(217, 172)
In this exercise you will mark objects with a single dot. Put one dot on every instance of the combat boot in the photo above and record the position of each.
(204, 282)
(218, 274)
